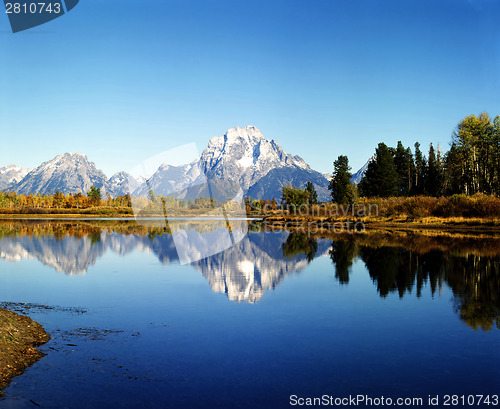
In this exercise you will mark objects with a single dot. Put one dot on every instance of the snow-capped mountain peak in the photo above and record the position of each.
(121, 184)
(242, 160)
(247, 149)
(248, 135)
(10, 175)
(68, 173)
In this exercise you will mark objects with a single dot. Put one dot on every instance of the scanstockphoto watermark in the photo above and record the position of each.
(477, 400)
(354, 400)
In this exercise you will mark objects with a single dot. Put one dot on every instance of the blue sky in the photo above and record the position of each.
(124, 80)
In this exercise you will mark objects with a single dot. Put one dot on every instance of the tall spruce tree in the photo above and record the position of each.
(313, 196)
(434, 174)
(403, 160)
(341, 188)
(420, 172)
(381, 178)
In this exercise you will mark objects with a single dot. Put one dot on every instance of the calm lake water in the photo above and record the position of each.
(275, 315)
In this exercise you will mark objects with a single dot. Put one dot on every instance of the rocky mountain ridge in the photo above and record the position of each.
(241, 162)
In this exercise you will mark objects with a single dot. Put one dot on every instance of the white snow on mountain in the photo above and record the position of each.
(121, 184)
(67, 173)
(10, 175)
(241, 161)
(241, 158)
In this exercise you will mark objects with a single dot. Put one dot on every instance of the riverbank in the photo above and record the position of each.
(19, 337)
(360, 224)
(310, 223)
(478, 211)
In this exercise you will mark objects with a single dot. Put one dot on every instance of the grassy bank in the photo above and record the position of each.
(477, 210)
(458, 210)
(478, 206)
(19, 337)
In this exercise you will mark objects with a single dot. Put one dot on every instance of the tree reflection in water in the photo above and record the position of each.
(404, 264)
(297, 244)
(473, 278)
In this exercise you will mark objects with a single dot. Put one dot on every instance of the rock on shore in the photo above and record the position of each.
(19, 337)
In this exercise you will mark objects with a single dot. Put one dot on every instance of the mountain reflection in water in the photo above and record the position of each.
(261, 261)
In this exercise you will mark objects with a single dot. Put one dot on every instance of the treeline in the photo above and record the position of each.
(466, 178)
(59, 200)
(470, 166)
(155, 205)
(92, 202)
(155, 201)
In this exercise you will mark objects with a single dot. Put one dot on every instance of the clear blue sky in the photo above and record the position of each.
(123, 80)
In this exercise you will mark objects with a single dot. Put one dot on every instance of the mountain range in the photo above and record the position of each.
(11, 175)
(241, 161)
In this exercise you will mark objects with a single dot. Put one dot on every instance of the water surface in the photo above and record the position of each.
(277, 314)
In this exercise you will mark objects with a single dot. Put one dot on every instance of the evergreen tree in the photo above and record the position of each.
(420, 172)
(434, 176)
(403, 160)
(313, 196)
(94, 194)
(381, 178)
(452, 180)
(341, 188)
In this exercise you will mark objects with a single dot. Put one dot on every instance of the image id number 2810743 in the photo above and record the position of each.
(33, 8)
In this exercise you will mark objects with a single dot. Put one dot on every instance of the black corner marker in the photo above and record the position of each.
(26, 14)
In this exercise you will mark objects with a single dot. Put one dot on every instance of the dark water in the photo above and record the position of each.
(275, 315)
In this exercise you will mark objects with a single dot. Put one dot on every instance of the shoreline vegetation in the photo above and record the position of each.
(479, 210)
(19, 337)
(460, 187)
(411, 212)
